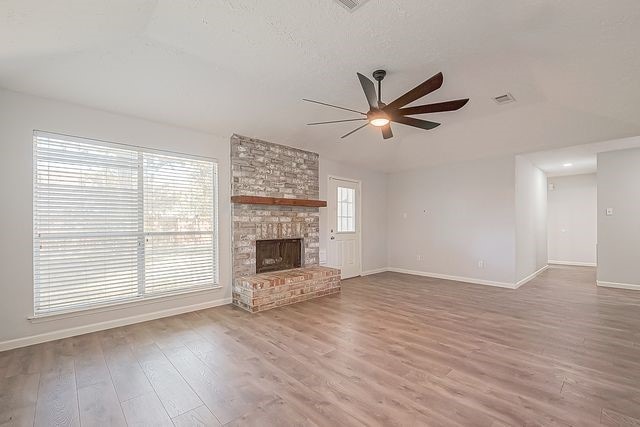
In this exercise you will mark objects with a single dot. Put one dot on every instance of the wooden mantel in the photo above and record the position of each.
(279, 201)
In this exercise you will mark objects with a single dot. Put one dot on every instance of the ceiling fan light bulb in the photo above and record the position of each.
(379, 122)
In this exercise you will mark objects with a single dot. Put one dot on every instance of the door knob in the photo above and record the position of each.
(332, 237)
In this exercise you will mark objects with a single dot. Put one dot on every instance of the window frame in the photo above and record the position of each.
(140, 297)
(339, 208)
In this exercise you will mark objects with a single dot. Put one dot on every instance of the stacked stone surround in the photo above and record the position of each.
(260, 168)
(264, 291)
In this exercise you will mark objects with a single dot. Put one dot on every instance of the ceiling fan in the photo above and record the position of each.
(381, 114)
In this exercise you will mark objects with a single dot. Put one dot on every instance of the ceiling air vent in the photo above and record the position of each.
(504, 99)
(351, 4)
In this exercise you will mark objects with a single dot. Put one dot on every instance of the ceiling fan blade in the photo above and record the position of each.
(386, 131)
(369, 91)
(417, 92)
(355, 130)
(334, 106)
(410, 121)
(336, 121)
(433, 108)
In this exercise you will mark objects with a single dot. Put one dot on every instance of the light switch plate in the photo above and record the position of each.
(609, 211)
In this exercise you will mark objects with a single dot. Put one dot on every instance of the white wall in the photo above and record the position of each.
(619, 234)
(572, 219)
(373, 215)
(454, 216)
(531, 218)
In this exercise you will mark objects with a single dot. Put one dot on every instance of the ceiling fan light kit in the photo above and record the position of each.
(380, 114)
(378, 118)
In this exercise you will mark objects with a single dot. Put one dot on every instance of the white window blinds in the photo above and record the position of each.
(114, 223)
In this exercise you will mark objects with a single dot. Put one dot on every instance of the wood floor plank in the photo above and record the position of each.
(5, 358)
(146, 411)
(26, 360)
(57, 356)
(199, 417)
(170, 332)
(57, 403)
(174, 392)
(274, 413)
(18, 396)
(127, 375)
(99, 405)
(224, 400)
(138, 334)
(613, 418)
(89, 362)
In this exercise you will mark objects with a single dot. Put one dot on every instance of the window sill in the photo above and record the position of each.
(121, 305)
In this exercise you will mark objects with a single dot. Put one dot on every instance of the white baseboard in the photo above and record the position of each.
(473, 280)
(100, 326)
(574, 263)
(454, 278)
(374, 271)
(618, 285)
(530, 277)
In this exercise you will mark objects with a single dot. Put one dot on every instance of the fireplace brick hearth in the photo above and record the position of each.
(260, 168)
(261, 292)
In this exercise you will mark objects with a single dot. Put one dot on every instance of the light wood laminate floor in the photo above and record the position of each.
(392, 349)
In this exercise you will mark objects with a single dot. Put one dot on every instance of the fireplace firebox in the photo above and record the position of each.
(278, 254)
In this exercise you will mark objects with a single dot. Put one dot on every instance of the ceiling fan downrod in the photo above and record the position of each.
(379, 75)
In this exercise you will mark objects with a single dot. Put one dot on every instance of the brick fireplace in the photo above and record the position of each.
(286, 236)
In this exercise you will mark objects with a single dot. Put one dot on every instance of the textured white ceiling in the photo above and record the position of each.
(243, 66)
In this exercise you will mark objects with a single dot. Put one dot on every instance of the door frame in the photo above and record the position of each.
(359, 215)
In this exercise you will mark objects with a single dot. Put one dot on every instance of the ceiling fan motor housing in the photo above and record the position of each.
(379, 75)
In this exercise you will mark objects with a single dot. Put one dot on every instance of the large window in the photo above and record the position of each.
(115, 223)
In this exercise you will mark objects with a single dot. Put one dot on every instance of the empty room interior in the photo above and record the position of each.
(320, 213)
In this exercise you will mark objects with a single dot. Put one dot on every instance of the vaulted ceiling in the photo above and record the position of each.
(243, 66)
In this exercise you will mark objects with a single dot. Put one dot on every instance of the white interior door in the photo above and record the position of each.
(343, 250)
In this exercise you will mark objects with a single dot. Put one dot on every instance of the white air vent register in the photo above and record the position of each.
(351, 5)
(504, 99)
